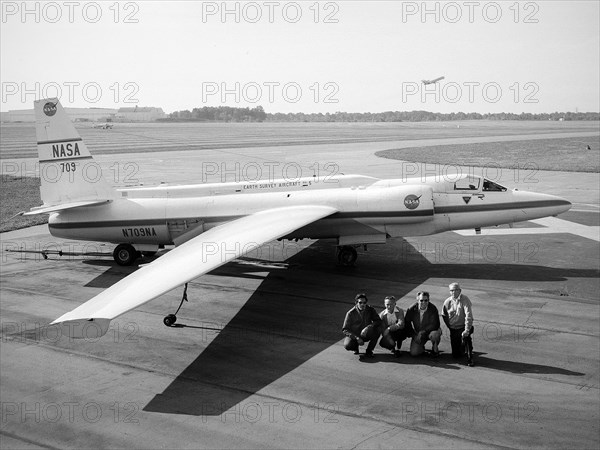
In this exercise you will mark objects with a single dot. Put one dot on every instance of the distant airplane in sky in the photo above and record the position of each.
(212, 224)
(432, 81)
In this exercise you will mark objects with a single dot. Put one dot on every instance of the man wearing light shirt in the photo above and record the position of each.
(392, 319)
(457, 313)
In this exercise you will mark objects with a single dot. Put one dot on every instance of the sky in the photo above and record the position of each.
(304, 56)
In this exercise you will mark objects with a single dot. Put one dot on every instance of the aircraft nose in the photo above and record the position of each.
(554, 203)
(562, 205)
(533, 205)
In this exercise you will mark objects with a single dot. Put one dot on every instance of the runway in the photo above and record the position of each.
(258, 362)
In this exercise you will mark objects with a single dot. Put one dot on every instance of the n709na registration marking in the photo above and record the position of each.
(139, 232)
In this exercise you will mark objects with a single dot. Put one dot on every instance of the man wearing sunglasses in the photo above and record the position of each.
(422, 322)
(361, 324)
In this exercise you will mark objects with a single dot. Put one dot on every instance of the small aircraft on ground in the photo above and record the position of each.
(103, 126)
(211, 224)
(432, 81)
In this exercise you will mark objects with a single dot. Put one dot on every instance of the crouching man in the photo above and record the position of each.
(392, 325)
(362, 324)
(457, 313)
(422, 322)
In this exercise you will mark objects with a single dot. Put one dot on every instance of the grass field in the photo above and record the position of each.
(19, 194)
(567, 154)
(18, 139)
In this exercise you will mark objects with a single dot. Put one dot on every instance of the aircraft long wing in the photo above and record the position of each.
(195, 257)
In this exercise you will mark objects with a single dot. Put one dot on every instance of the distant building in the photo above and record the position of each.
(75, 114)
(139, 114)
(18, 115)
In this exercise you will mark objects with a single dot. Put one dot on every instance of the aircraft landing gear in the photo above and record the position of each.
(347, 255)
(125, 254)
(170, 319)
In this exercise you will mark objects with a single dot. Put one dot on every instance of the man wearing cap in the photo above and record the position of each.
(392, 319)
(422, 322)
(361, 324)
(457, 313)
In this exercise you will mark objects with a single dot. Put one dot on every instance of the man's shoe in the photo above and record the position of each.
(435, 354)
(397, 353)
(369, 354)
(470, 363)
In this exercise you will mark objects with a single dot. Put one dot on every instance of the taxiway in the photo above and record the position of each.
(257, 361)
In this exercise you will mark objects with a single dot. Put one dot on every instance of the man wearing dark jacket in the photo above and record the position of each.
(361, 324)
(422, 322)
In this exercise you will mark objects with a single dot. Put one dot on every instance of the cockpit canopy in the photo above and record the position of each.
(467, 183)
(457, 183)
(473, 183)
(491, 186)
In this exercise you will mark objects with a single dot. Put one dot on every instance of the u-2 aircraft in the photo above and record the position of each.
(211, 224)
(435, 80)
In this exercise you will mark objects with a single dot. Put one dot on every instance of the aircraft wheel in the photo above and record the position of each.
(170, 320)
(347, 255)
(125, 254)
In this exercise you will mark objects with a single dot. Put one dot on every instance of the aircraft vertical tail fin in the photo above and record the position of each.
(68, 173)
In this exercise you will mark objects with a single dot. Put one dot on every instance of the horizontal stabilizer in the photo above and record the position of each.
(55, 208)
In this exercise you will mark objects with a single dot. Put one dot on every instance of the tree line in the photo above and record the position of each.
(218, 114)
(258, 114)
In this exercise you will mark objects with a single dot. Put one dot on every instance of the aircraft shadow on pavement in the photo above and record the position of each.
(281, 326)
(113, 274)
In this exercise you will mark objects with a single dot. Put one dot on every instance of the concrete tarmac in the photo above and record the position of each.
(256, 359)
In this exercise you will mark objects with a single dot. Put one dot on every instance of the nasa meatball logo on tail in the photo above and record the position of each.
(50, 109)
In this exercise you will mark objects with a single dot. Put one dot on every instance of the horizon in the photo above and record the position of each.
(316, 113)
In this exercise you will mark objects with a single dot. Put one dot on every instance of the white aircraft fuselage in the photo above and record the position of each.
(370, 210)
